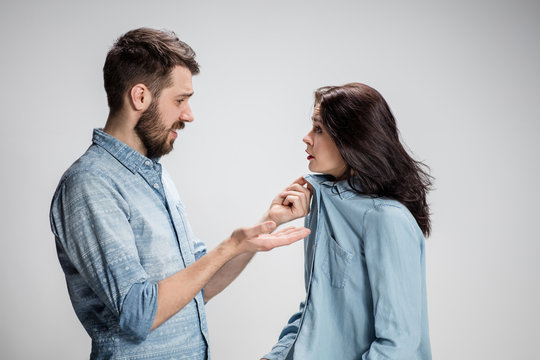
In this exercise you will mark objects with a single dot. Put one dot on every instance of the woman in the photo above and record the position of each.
(364, 259)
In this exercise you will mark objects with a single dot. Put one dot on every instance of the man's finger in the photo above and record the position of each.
(291, 199)
(303, 193)
(286, 193)
(262, 228)
(285, 231)
(281, 239)
(290, 237)
(300, 181)
(297, 187)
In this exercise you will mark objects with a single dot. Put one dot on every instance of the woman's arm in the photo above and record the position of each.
(287, 336)
(393, 247)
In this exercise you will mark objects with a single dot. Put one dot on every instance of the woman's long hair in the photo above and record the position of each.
(364, 130)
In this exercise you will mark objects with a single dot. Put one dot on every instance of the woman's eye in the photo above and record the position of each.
(180, 101)
(317, 129)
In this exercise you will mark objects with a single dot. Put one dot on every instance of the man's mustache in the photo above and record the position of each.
(179, 125)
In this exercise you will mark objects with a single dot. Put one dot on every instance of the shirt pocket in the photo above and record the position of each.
(336, 262)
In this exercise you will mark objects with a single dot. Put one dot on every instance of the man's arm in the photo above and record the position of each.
(177, 290)
(96, 244)
(290, 204)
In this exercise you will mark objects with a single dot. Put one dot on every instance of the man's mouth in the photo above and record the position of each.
(175, 130)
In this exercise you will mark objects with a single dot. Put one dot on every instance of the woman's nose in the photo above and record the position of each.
(307, 139)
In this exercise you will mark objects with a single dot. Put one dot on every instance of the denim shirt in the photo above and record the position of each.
(120, 228)
(364, 279)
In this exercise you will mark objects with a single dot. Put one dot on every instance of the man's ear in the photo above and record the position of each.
(140, 97)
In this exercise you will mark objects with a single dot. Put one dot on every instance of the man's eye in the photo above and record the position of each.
(180, 101)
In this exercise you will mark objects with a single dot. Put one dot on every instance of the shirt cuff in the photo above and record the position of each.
(278, 353)
(139, 310)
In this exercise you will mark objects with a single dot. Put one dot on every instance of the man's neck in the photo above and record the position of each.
(122, 127)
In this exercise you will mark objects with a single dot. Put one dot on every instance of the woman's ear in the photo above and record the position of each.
(140, 97)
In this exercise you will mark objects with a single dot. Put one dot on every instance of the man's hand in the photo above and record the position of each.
(260, 238)
(175, 291)
(240, 248)
(292, 203)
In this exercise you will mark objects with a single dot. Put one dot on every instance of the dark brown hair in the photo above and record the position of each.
(145, 56)
(360, 123)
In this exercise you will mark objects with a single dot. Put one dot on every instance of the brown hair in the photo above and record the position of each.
(360, 123)
(145, 56)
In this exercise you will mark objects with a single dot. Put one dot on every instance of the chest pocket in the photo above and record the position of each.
(336, 261)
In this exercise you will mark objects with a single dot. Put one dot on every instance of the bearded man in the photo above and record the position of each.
(137, 276)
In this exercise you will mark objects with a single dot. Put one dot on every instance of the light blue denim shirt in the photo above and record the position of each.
(120, 227)
(364, 278)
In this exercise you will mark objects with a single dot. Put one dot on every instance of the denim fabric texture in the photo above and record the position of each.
(120, 228)
(364, 279)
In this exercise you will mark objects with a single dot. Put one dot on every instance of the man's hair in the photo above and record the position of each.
(145, 56)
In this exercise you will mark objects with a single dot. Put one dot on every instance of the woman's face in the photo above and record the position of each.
(324, 156)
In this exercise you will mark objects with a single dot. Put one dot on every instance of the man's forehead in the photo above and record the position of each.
(181, 77)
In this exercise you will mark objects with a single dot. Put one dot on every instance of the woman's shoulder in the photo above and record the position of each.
(389, 213)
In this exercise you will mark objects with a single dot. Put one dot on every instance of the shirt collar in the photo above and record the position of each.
(336, 187)
(125, 154)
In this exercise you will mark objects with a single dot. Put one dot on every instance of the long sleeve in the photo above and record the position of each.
(393, 247)
(287, 336)
(90, 220)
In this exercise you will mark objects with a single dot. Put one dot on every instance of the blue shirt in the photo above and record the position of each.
(120, 228)
(364, 278)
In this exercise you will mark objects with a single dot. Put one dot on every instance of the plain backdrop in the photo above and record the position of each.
(462, 78)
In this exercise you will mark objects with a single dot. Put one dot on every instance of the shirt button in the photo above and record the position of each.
(156, 186)
(147, 163)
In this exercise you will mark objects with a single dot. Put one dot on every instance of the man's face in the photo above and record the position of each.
(157, 127)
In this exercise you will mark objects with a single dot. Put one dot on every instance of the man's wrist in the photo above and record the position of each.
(229, 248)
(267, 217)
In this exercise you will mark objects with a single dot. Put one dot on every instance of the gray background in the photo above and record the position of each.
(461, 77)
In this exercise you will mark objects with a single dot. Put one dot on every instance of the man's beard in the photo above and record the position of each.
(153, 134)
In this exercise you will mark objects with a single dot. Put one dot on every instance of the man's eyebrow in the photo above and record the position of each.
(188, 94)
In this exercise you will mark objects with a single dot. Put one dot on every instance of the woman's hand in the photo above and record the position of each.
(292, 203)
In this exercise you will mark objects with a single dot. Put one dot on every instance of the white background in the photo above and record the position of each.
(462, 78)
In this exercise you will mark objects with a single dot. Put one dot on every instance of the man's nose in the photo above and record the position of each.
(186, 114)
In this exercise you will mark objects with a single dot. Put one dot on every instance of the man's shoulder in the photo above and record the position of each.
(94, 163)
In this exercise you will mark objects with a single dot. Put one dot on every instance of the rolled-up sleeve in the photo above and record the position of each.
(139, 310)
(393, 258)
(91, 222)
(199, 248)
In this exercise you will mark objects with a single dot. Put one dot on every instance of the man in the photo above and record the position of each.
(137, 277)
